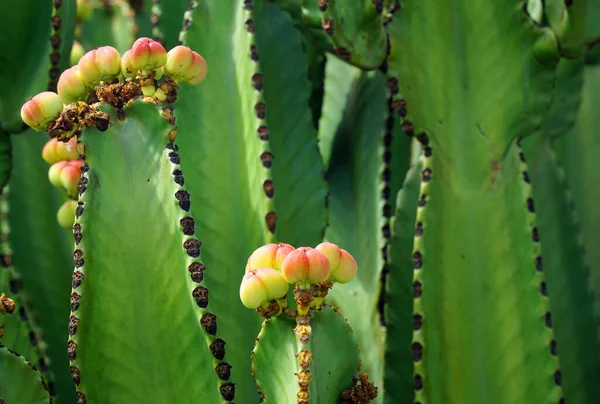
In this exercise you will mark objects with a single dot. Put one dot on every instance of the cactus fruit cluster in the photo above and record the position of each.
(434, 163)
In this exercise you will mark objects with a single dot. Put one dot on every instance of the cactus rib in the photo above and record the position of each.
(61, 38)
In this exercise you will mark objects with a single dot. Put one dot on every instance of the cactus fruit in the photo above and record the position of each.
(41, 109)
(66, 214)
(343, 264)
(262, 285)
(102, 64)
(77, 51)
(71, 86)
(185, 66)
(55, 150)
(270, 256)
(65, 175)
(305, 264)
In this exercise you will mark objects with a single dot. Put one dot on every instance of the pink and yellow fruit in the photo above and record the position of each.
(70, 85)
(147, 55)
(66, 175)
(343, 265)
(306, 264)
(41, 109)
(55, 151)
(269, 256)
(185, 66)
(102, 64)
(262, 285)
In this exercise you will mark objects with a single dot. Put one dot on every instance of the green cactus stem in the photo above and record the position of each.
(299, 189)
(565, 261)
(358, 177)
(286, 347)
(25, 58)
(61, 38)
(115, 15)
(21, 381)
(145, 305)
(42, 251)
(356, 28)
(21, 332)
(478, 280)
(398, 381)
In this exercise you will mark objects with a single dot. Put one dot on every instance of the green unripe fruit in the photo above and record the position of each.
(66, 214)
(77, 51)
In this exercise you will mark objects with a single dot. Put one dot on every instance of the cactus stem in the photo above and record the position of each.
(560, 171)
(55, 41)
(196, 268)
(187, 21)
(21, 302)
(545, 306)
(157, 33)
(304, 356)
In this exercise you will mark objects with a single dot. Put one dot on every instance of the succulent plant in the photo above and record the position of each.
(404, 192)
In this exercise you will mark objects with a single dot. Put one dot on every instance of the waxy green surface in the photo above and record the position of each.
(400, 322)
(19, 382)
(297, 168)
(355, 175)
(26, 27)
(139, 327)
(579, 151)
(274, 362)
(110, 25)
(46, 273)
(565, 267)
(357, 29)
(562, 245)
(476, 76)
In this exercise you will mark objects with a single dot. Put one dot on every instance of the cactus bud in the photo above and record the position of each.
(343, 265)
(305, 264)
(55, 151)
(54, 173)
(66, 214)
(127, 69)
(147, 55)
(69, 177)
(41, 109)
(262, 285)
(70, 86)
(77, 51)
(185, 66)
(269, 256)
(100, 64)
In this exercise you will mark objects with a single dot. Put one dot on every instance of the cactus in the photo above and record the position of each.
(404, 193)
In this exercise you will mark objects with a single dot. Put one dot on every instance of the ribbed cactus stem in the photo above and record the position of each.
(303, 296)
(303, 332)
